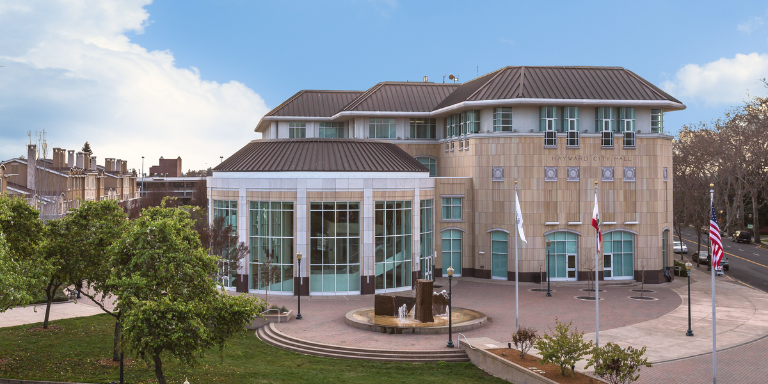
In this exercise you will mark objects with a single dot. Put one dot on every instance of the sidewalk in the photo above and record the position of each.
(27, 315)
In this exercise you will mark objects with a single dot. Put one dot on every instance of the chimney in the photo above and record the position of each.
(117, 165)
(31, 165)
(58, 159)
(124, 166)
(70, 158)
(109, 164)
(86, 160)
(80, 159)
(93, 163)
(3, 181)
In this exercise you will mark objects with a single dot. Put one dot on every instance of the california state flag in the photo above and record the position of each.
(596, 224)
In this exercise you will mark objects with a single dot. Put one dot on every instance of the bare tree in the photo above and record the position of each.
(221, 240)
(588, 264)
(268, 273)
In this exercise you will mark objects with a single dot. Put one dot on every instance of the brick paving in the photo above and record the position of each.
(324, 316)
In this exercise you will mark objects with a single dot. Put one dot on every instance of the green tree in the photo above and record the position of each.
(23, 269)
(92, 229)
(563, 347)
(58, 251)
(87, 149)
(617, 365)
(165, 282)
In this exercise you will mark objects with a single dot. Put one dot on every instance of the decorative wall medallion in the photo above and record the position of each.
(607, 173)
(550, 173)
(497, 174)
(665, 173)
(629, 173)
(573, 174)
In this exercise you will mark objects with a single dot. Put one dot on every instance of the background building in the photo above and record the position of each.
(167, 168)
(554, 130)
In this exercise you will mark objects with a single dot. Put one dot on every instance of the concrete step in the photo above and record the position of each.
(268, 335)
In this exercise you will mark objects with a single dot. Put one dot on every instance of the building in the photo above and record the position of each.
(167, 168)
(401, 181)
(59, 184)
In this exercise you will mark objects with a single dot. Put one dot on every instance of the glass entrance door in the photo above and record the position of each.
(571, 267)
(607, 266)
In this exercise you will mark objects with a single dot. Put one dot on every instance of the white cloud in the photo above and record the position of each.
(506, 41)
(750, 25)
(71, 69)
(720, 82)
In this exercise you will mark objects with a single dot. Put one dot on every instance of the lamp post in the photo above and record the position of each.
(298, 315)
(450, 309)
(688, 266)
(549, 293)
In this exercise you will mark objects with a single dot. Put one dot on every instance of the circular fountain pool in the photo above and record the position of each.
(463, 320)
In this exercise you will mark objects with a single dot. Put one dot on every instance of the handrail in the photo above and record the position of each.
(458, 341)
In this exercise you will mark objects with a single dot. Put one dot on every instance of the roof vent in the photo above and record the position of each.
(426, 79)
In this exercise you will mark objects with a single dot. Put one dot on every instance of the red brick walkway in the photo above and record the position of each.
(324, 317)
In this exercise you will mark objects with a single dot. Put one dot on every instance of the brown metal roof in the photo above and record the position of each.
(402, 97)
(315, 103)
(597, 83)
(320, 155)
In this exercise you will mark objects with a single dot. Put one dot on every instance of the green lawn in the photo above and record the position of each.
(71, 354)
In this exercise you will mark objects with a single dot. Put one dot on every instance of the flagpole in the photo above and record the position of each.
(597, 282)
(712, 263)
(517, 306)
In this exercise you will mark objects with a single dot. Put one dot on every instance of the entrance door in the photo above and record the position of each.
(499, 254)
(426, 268)
(608, 266)
(571, 267)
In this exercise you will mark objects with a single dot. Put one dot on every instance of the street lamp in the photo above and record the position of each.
(298, 256)
(688, 266)
(450, 308)
(549, 293)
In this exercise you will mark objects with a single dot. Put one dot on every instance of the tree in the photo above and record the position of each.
(167, 292)
(200, 195)
(524, 339)
(87, 149)
(23, 269)
(93, 227)
(221, 240)
(588, 264)
(563, 347)
(268, 273)
(617, 365)
(58, 250)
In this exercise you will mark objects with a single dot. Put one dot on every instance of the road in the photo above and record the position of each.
(748, 263)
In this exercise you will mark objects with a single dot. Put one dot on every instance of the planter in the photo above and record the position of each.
(270, 317)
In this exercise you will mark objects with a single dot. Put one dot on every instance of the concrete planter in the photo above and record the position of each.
(270, 317)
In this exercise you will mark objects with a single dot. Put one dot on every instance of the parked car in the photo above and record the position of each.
(704, 257)
(742, 237)
(679, 247)
(724, 263)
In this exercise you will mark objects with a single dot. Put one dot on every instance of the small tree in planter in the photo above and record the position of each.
(563, 347)
(524, 339)
(642, 284)
(268, 274)
(617, 365)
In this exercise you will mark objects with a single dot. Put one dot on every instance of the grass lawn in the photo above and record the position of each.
(72, 353)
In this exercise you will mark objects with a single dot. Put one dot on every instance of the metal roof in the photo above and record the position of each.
(596, 83)
(315, 103)
(320, 155)
(402, 97)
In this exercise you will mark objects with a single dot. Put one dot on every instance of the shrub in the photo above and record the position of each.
(273, 306)
(283, 309)
(617, 365)
(563, 347)
(524, 339)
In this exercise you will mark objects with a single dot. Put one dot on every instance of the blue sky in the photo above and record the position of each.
(192, 78)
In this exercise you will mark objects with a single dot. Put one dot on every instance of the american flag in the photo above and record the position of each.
(714, 238)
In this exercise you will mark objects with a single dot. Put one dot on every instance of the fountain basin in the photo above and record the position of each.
(463, 320)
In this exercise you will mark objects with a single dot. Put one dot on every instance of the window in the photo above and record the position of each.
(381, 128)
(604, 119)
(392, 244)
(271, 237)
(331, 130)
(548, 119)
(449, 126)
(571, 125)
(228, 210)
(430, 163)
(334, 247)
(470, 121)
(423, 129)
(297, 130)
(502, 119)
(499, 251)
(452, 251)
(561, 255)
(426, 248)
(452, 208)
(618, 255)
(657, 120)
(626, 119)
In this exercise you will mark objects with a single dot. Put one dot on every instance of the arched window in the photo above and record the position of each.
(618, 255)
(499, 254)
(452, 251)
(562, 254)
(430, 163)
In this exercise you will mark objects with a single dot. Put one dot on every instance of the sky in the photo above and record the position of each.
(192, 78)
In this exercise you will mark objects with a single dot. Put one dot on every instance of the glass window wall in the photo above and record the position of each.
(502, 119)
(430, 163)
(271, 238)
(392, 246)
(381, 128)
(426, 247)
(297, 130)
(423, 128)
(618, 255)
(331, 130)
(562, 255)
(334, 247)
(499, 254)
(452, 251)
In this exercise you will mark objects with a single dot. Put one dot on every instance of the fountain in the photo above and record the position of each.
(420, 311)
